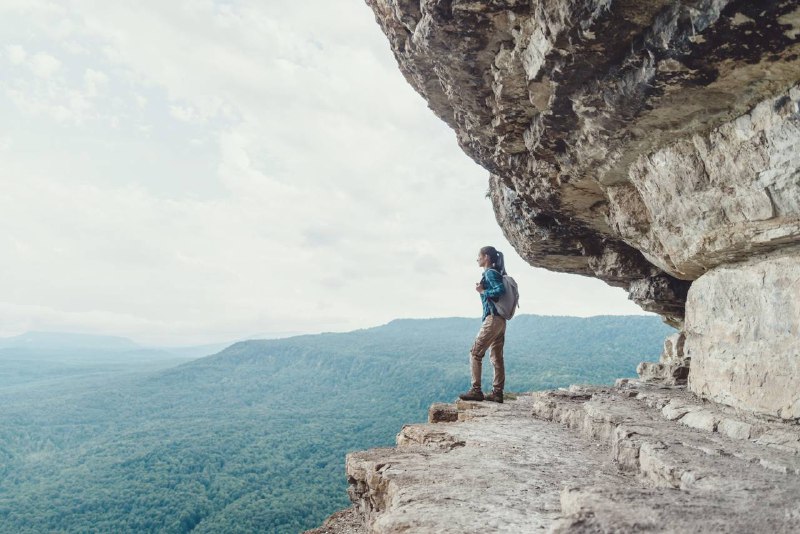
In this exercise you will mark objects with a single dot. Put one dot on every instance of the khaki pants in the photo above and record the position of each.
(492, 335)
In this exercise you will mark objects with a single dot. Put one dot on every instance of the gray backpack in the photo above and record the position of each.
(508, 302)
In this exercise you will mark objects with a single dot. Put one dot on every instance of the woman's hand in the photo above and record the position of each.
(479, 287)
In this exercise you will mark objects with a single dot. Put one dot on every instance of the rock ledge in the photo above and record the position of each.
(628, 458)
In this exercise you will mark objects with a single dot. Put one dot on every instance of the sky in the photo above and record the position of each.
(199, 171)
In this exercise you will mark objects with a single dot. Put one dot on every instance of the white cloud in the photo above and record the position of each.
(16, 54)
(186, 114)
(56, 101)
(43, 65)
(95, 82)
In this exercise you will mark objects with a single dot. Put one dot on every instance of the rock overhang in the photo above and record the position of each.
(640, 142)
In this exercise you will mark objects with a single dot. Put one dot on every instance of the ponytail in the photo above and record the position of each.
(501, 263)
(496, 257)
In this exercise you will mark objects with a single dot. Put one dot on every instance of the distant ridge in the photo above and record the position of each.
(69, 346)
(541, 351)
(68, 341)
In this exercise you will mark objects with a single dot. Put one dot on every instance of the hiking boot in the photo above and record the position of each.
(494, 396)
(472, 395)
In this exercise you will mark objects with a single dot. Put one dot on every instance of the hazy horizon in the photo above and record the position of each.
(281, 335)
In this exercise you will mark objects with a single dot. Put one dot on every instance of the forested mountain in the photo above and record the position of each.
(253, 439)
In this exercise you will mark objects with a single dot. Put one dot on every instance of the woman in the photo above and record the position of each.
(493, 330)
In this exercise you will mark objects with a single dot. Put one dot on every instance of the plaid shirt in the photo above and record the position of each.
(493, 287)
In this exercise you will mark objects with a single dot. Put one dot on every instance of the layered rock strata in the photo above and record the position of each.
(632, 458)
(652, 144)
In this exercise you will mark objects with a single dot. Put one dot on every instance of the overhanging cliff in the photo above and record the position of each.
(640, 142)
(654, 144)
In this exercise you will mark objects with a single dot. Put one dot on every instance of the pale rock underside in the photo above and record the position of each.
(643, 142)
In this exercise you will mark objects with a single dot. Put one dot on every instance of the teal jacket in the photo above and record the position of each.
(493, 287)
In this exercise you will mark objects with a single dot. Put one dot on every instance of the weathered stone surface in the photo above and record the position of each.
(505, 477)
(672, 367)
(673, 352)
(697, 480)
(442, 413)
(419, 435)
(347, 521)
(736, 429)
(619, 465)
(624, 510)
(644, 143)
(717, 198)
(743, 335)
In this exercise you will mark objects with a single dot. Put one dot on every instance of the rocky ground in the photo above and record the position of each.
(347, 521)
(635, 457)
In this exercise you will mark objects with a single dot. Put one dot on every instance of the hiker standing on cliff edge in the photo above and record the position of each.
(492, 334)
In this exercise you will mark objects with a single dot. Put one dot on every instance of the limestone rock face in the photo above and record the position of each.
(743, 332)
(717, 198)
(642, 142)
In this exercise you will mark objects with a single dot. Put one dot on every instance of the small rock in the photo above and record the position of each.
(442, 413)
(701, 420)
(674, 410)
(735, 429)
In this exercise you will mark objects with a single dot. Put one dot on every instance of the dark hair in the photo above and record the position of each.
(496, 257)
